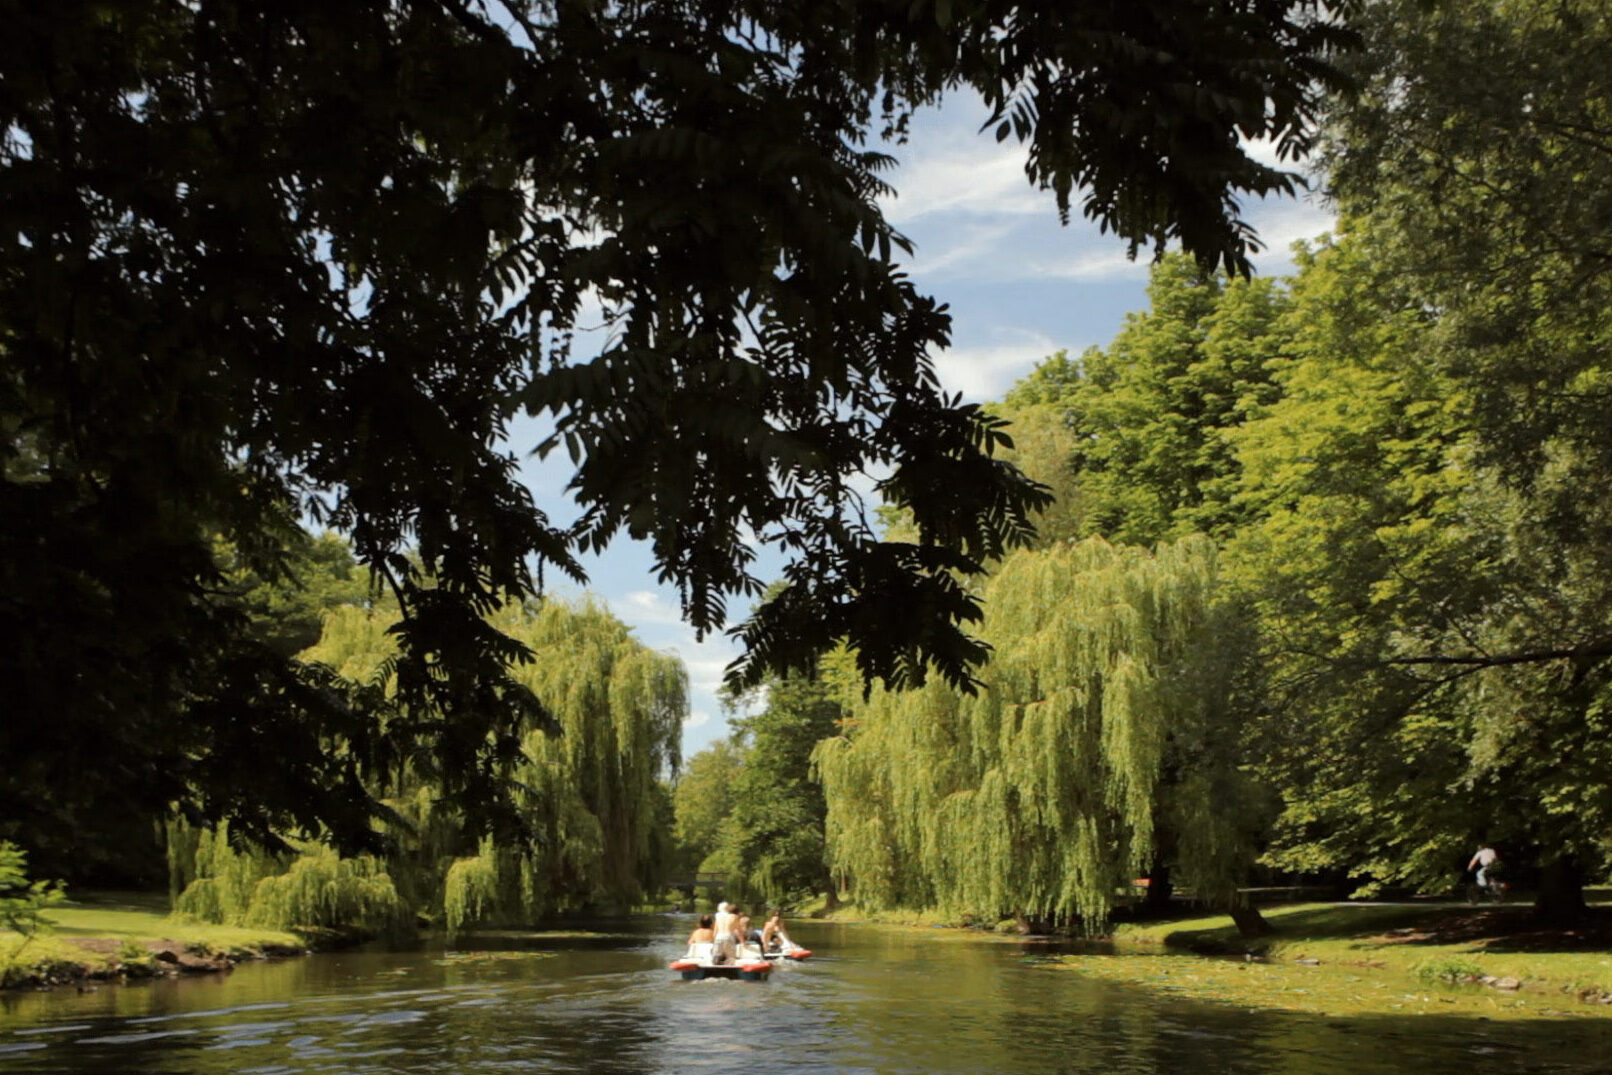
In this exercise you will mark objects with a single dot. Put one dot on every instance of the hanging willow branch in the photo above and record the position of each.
(1105, 733)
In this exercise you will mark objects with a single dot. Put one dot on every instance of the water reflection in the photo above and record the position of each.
(877, 1001)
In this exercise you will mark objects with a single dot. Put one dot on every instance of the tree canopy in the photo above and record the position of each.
(1107, 736)
(261, 263)
(591, 798)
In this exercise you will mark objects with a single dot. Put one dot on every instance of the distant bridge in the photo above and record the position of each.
(700, 880)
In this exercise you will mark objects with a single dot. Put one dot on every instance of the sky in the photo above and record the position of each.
(1020, 287)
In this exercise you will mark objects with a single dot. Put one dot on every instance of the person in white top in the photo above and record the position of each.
(1483, 862)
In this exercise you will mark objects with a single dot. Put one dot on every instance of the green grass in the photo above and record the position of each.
(1340, 958)
(89, 931)
(1340, 990)
(1306, 920)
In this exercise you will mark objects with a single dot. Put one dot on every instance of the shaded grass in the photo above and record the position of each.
(1307, 921)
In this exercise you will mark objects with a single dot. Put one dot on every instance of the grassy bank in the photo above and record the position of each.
(129, 935)
(1343, 958)
(1348, 959)
(848, 911)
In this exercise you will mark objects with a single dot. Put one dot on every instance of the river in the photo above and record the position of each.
(873, 1000)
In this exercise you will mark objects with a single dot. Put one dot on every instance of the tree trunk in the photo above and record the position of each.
(1159, 890)
(831, 898)
(1250, 923)
(1561, 891)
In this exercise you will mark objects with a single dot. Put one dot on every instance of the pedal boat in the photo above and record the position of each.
(696, 965)
(789, 950)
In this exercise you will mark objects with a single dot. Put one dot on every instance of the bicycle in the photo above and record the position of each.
(1493, 890)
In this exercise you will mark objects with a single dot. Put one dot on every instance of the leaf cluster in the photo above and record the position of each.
(22, 901)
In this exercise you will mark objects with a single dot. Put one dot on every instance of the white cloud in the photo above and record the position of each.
(1283, 223)
(647, 606)
(1107, 262)
(981, 240)
(990, 182)
(697, 718)
(982, 373)
(704, 668)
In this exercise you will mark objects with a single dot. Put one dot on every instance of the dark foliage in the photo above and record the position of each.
(269, 260)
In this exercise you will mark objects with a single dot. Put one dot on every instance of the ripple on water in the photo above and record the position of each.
(210, 1013)
(238, 1043)
(406, 1015)
(134, 1039)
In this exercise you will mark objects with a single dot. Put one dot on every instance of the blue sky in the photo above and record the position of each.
(1020, 287)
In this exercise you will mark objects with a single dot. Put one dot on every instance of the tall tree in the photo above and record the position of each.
(776, 824)
(258, 262)
(591, 798)
(1357, 548)
(1419, 606)
(1481, 121)
(1149, 414)
(703, 800)
(1107, 736)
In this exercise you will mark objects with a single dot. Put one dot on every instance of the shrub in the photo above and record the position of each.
(22, 900)
(1449, 969)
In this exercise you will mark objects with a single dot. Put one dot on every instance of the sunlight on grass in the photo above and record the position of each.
(1321, 989)
(1340, 958)
(82, 927)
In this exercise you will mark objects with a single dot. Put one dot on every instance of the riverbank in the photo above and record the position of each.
(1347, 959)
(118, 936)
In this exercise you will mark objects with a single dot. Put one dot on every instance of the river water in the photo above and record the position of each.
(871, 1001)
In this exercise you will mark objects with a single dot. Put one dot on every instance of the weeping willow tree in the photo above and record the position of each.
(314, 888)
(1103, 741)
(590, 797)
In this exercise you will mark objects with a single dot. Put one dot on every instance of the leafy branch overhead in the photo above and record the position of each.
(260, 263)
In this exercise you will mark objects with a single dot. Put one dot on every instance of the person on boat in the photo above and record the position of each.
(725, 949)
(773, 937)
(724, 918)
(742, 930)
(700, 941)
(703, 933)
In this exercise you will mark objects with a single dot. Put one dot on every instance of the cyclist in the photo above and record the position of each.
(1483, 862)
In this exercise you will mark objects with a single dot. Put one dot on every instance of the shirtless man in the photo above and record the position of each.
(703, 933)
(723, 923)
(773, 936)
(723, 948)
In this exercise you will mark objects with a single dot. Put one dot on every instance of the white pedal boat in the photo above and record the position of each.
(750, 964)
